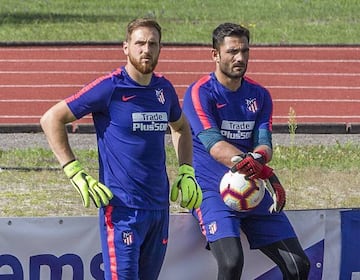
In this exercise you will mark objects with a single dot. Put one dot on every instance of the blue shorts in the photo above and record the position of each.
(133, 241)
(261, 227)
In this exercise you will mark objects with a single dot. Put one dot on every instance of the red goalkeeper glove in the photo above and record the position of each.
(276, 190)
(250, 164)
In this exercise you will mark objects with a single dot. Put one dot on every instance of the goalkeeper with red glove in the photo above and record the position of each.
(231, 120)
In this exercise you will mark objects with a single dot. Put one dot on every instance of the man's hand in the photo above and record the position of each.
(191, 194)
(87, 186)
(249, 164)
(277, 192)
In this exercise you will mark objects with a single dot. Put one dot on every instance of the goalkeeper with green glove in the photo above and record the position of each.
(132, 109)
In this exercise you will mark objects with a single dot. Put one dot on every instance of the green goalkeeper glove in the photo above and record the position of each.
(87, 186)
(191, 194)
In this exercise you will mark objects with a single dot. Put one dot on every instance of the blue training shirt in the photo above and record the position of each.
(239, 115)
(130, 121)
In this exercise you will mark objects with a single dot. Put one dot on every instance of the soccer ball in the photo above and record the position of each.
(241, 194)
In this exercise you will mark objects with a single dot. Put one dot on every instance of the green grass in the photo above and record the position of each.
(321, 177)
(190, 21)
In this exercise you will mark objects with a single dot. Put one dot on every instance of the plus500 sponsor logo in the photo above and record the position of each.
(53, 264)
(152, 121)
(236, 130)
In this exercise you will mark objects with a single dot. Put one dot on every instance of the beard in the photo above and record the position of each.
(229, 71)
(144, 68)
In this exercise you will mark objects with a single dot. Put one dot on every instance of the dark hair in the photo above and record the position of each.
(142, 22)
(228, 29)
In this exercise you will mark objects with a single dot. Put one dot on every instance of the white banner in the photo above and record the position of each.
(50, 248)
(69, 248)
(187, 257)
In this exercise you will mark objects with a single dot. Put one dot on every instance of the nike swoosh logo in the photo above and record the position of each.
(127, 98)
(219, 106)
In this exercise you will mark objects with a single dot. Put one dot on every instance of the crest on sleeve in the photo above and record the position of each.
(251, 105)
(160, 95)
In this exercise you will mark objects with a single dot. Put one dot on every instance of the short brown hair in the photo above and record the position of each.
(142, 22)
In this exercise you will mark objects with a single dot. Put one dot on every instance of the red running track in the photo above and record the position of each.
(321, 84)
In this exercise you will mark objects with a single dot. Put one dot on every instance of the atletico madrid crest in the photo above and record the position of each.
(251, 105)
(160, 95)
(128, 237)
(212, 228)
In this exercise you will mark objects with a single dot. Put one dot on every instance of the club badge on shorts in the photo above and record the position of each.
(128, 237)
(212, 228)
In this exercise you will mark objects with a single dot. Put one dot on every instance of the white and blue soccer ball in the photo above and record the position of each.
(241, 194)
